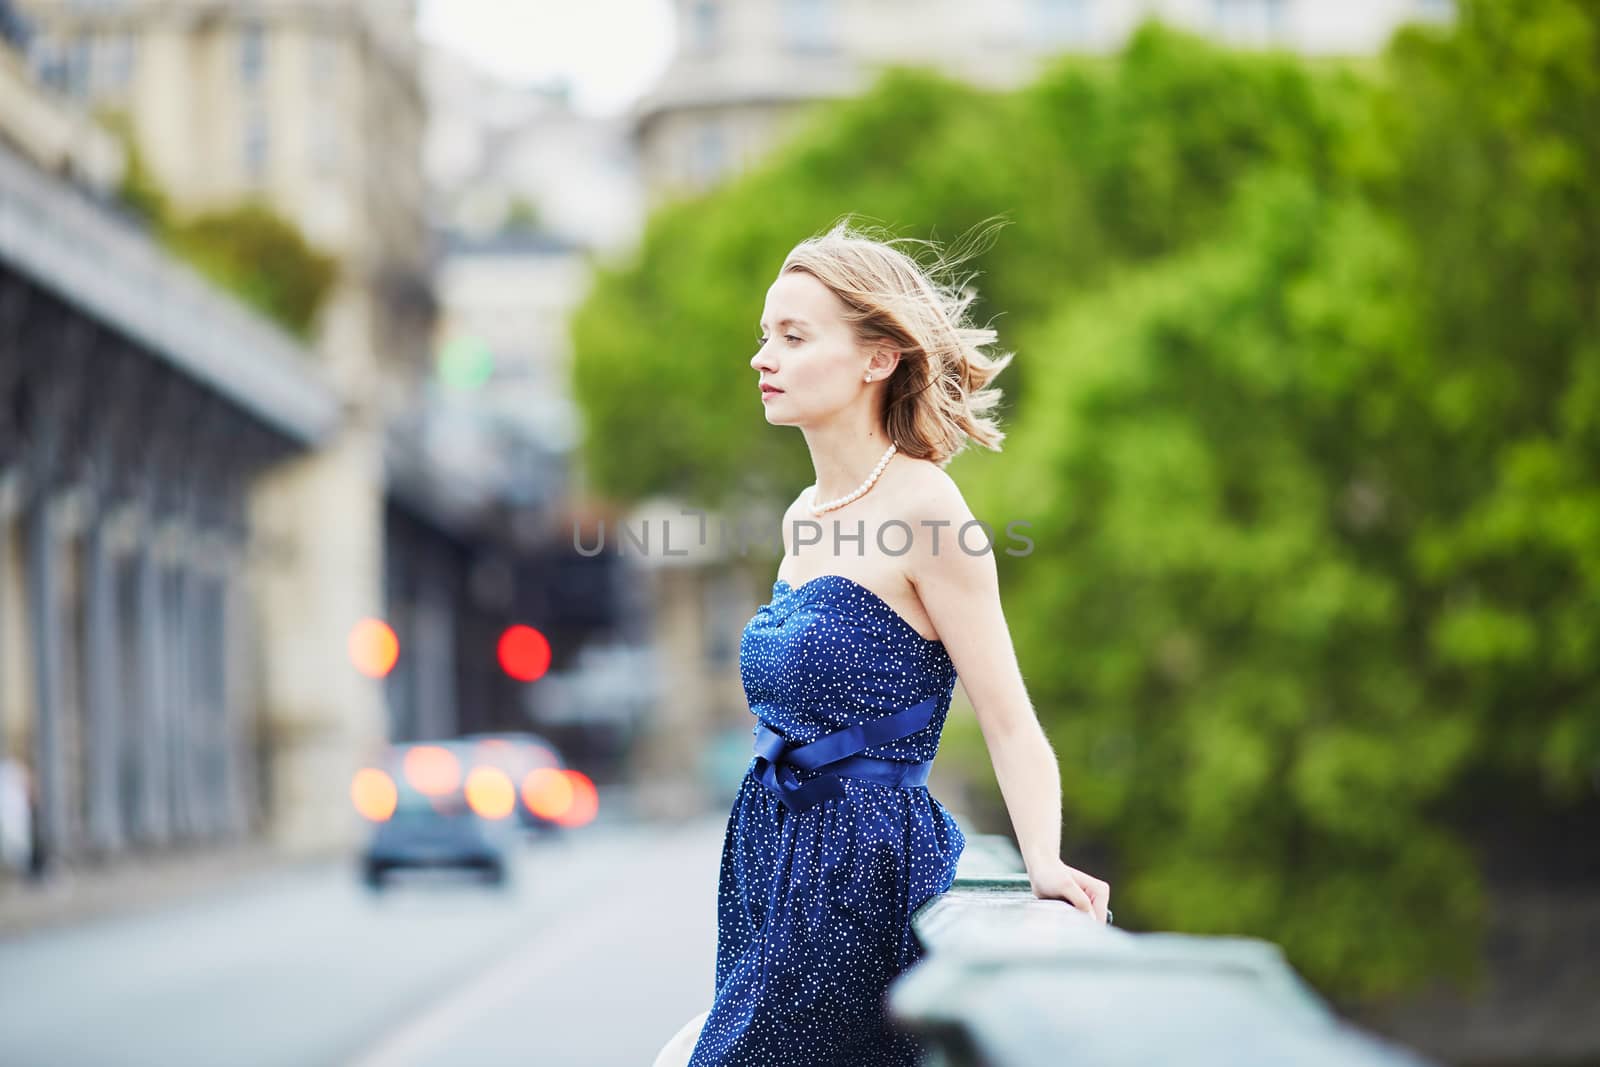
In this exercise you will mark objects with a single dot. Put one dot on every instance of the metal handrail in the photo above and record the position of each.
(1011, 980)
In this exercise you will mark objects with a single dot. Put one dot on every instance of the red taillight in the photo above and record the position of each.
(585, 800)
(565, 797)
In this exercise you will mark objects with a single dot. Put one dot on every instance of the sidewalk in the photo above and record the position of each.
(81, 890)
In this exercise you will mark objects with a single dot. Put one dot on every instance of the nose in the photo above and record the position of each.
(761, 360)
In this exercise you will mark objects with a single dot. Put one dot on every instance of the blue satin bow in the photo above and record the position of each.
(838, 756)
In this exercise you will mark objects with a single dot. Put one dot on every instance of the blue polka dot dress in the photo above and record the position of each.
(816, 891)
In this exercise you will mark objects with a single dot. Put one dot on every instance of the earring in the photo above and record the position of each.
(868, 378)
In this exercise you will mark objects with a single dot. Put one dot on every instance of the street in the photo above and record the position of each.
(599, 949)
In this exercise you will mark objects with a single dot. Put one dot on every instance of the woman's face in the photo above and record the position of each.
(808, 352)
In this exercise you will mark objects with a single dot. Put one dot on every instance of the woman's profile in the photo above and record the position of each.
(885, 595)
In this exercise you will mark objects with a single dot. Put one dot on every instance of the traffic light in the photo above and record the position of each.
(524, 653)
(373, 647)
(465, 364)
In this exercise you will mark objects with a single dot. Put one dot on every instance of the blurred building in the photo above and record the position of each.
(529, 195)
(502, 157)
(744, 69)
(525, 195)
(693, 747)
(315, 107)
(402, 508)
(139, 408)
(53, 134)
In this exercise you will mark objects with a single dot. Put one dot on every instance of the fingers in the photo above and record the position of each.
(1088, 894)
(1095, 895)
(1100, 893)
(1077, 897)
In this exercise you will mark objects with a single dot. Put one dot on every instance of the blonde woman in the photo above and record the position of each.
(884, 596)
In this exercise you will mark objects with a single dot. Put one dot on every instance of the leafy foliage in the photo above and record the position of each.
(1245, 700)
(253, 251)
(1090, 164)
(248, 249)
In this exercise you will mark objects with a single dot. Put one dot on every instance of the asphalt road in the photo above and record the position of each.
(600, 948)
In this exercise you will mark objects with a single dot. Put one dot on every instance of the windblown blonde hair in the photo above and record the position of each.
(938, 398)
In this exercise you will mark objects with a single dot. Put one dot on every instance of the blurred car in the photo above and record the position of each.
(519, 754)
(436, 804)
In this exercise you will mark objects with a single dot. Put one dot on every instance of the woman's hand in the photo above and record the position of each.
(1054, 880)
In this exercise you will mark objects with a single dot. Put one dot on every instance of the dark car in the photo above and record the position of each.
(436, 805)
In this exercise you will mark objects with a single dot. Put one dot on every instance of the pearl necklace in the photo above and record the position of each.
(818, 509)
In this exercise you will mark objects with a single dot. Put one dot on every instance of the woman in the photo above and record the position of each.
(883, 597)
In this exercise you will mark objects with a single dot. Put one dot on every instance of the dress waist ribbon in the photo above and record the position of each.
(838, 756)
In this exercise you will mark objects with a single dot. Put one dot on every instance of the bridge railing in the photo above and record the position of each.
(1010, 980)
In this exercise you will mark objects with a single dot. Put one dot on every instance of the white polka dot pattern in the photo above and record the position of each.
(814, 907)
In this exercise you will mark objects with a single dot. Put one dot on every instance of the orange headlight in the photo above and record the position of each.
(490, 792)
(548, 793)
(374, 794)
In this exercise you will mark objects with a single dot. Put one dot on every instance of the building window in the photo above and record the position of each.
(1250, 22)
(46, 58)
(110, 63)
(255, 145)
(709, 154)
(62, 64)
(323, 62)
(705, 26)
(324, 141)
(252, 53)
(80, 65)
(1061, 21)
(117, 62)
(807, 25)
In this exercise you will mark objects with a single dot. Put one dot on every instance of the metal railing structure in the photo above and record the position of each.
(1011, 980)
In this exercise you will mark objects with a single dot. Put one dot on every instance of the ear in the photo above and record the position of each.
(884, 361)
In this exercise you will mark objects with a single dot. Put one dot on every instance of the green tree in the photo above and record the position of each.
(1229, 667)
(1318, 539)
(1100, 165)
(1494, 136)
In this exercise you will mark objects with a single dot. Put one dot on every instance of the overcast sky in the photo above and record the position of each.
(610, 50)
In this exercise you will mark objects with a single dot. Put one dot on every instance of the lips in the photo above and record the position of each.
(768, 390)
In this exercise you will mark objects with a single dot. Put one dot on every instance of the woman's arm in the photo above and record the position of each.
(959, 588)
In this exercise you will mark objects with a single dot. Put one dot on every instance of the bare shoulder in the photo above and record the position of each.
(943, 545)
(927, 493)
